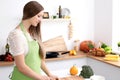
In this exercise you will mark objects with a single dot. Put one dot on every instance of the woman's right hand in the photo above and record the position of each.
(43, 77)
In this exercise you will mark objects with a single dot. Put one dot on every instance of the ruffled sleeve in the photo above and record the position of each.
(16, 41)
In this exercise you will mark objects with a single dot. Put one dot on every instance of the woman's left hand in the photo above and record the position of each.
(53, 77)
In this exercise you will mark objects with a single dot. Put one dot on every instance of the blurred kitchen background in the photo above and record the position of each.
(96, 20)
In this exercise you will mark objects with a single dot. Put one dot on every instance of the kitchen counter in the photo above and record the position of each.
(114, 63)
(67, 56)
(81, 55)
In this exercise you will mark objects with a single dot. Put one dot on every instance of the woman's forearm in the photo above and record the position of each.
(44, 68)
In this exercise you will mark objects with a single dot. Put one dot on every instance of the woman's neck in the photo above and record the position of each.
(26, 24)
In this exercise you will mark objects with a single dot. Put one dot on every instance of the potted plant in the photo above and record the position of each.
(118, 44)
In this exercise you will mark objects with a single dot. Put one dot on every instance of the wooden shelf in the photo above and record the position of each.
(3, 63)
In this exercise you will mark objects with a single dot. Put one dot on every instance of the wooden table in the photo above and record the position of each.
(72, 78)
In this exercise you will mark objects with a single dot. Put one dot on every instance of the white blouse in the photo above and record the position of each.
(18, 42)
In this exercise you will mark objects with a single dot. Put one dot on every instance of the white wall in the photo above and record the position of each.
(103, 21)
(82, 15)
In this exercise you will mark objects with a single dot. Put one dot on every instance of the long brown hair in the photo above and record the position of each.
(31, 9)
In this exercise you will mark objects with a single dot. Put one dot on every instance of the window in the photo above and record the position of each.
(116, 25)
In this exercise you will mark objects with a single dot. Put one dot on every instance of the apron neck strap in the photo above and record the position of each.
(23, 30)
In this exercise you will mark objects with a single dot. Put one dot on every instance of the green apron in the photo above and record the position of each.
(32, 59)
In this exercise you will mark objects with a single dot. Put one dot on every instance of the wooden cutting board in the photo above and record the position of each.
(55, 44)
(72, 78)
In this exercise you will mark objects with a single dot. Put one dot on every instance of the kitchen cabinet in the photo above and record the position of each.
(110, 72)
(61, 67)
(5, 72)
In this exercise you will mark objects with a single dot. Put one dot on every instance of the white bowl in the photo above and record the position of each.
(97, 77)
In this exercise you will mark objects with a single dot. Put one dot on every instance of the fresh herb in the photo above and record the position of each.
(91, 46)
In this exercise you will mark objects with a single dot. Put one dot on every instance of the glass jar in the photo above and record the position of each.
(76, 45)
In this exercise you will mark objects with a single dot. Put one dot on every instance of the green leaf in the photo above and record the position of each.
(104, 45)
(91, 46)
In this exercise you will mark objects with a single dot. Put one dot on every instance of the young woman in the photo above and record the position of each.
(26, 46)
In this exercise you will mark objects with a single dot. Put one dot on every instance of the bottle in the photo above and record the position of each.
(8, 55)
(7, 47)
(60, 12)
(99, 44)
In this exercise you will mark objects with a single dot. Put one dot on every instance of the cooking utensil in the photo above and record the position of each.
(65, 52)
(65, 12)
(55, 44)
(52, 54)
(55, 54)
